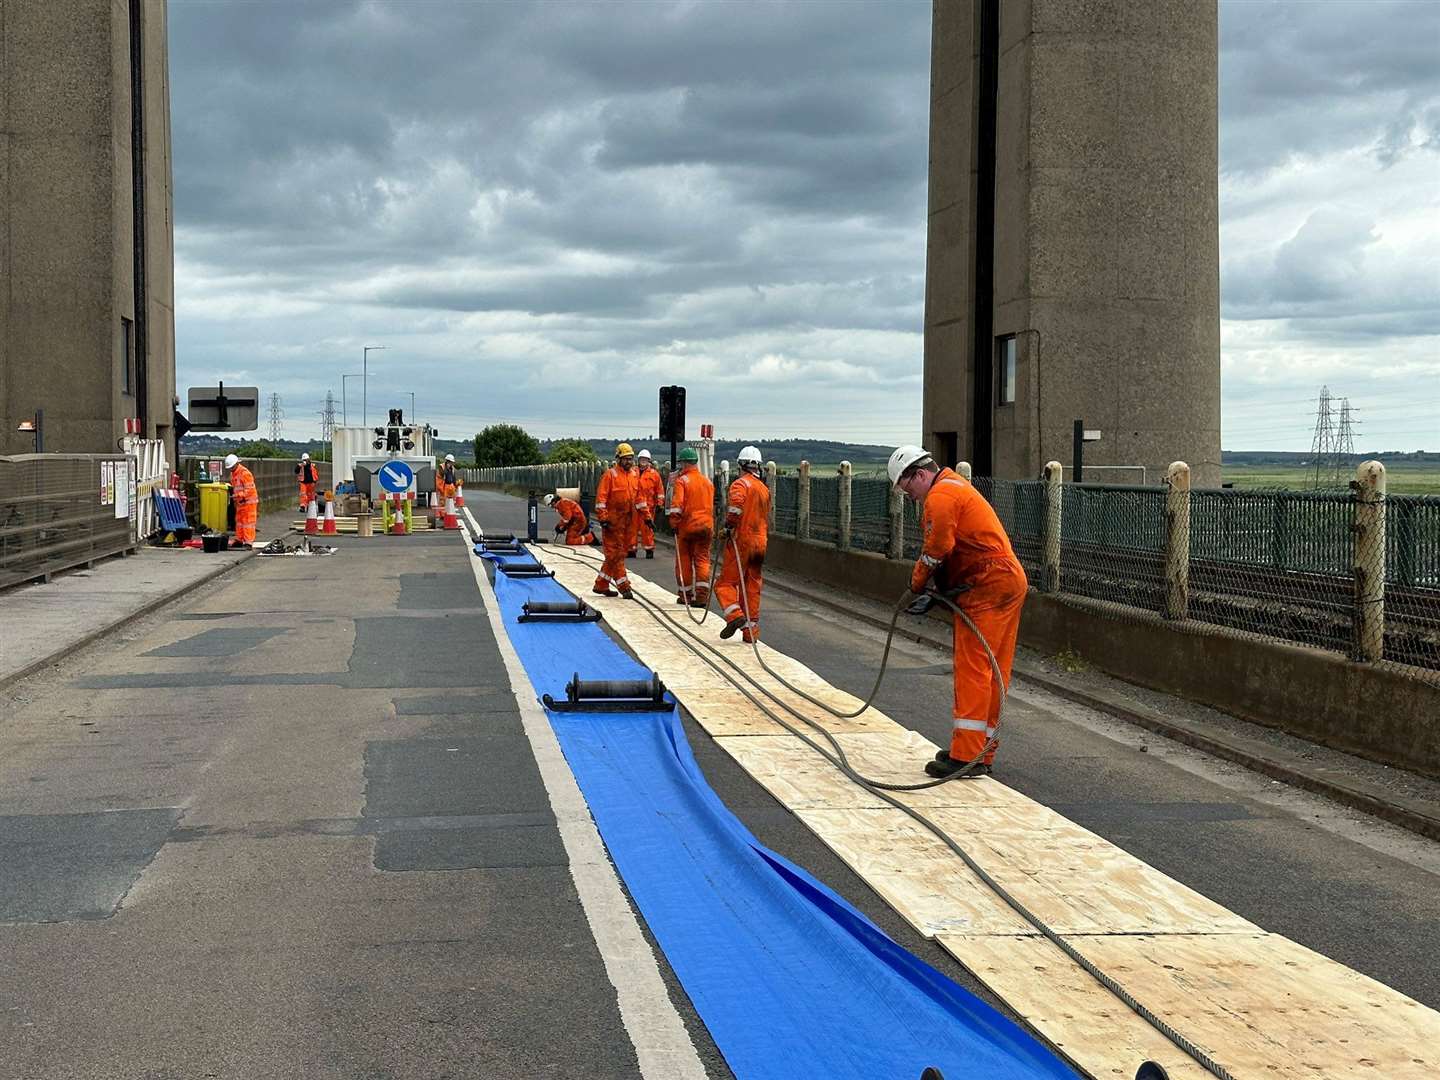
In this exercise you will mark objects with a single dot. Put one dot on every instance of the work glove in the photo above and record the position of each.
(919, 578)
(559, 528)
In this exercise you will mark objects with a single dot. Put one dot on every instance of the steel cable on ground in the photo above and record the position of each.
(882, 791)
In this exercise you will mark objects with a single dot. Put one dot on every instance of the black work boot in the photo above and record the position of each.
(941, 769)
(649, 553)
(732, 627)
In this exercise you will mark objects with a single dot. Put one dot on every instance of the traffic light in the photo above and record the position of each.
(672, 414)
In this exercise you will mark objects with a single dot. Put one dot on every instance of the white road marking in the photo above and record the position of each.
(663, 1047)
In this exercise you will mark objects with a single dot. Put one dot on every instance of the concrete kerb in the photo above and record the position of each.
(1414, 815)
(148, 608)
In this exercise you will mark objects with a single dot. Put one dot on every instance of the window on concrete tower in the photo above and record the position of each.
(1005, 369)
(127, 353)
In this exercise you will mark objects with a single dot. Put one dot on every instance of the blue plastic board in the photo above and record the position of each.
(791, 979)
(396, 477)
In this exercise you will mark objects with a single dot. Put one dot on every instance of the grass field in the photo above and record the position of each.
(1402, 477)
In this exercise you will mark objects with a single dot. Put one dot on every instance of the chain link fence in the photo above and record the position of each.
(1349, 570)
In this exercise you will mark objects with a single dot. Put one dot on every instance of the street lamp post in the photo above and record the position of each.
(344, 408)
(365, 382)
(412, 406)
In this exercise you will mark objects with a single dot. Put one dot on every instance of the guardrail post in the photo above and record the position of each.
(1369, 487)
(843, 503)
(802, 512)
(897, 524)
(771, 473)
(963, 468)
(1177, 541)
(1050, 554)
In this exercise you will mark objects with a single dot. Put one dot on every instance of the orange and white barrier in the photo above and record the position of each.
(312, 523)
(329, 527)
(398, 527)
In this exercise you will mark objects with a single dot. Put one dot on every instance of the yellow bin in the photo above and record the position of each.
(214, 506)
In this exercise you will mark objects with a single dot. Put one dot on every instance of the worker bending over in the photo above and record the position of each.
(573, 522)
(747, 518)
(651, 496)
(965, 548)
(692, 520)
(308, 476)
(615, 501)
(246, 499)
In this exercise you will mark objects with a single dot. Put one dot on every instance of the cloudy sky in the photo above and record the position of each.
(546, 210)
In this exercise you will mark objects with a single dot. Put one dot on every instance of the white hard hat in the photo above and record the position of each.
(450, 458)
(549, 500)
(231, 461)
(304, 457)
(644, 455)
(902, 459)
(750, 455)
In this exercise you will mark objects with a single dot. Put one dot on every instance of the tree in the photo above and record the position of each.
(505, 444)
(260, 449)
(571, 450)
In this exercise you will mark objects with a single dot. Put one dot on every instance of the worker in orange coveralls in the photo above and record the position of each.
(747, 519)
(692, 520)
(573, 522)
(965, 548)
(652, 497)
(615, 501)
(246, 499)
(308, 476)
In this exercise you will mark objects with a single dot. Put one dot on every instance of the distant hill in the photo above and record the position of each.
(1296, 457)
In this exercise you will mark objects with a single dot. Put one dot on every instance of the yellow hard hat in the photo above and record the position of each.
(624, 450)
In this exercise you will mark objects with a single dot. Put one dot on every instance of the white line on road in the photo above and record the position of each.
(663, 1047)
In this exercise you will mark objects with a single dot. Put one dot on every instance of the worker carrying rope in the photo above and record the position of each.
(746, 531)
(692, 520)
(965, 548)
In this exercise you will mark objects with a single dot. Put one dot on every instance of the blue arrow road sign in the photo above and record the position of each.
(396, 476)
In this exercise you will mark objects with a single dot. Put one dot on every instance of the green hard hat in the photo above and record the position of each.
(689, 456)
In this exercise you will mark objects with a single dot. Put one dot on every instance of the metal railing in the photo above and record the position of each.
(274, 477)
(60, 511)
(1354, 571)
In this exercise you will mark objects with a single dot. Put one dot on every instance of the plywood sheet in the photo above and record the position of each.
(718, 712)
(1259, 1004)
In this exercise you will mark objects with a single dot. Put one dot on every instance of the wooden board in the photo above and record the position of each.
(1259, 1004)
(1030, 850)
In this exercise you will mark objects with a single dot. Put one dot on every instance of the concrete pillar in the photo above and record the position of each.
(843, 500)
(1050, 554)
(771, 472)
(897, 524)
(1369, 485)
(1177, 541)
(802, 513)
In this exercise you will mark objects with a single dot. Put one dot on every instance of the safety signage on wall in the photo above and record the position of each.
(107, 483)
(396, 476)
(122, 489)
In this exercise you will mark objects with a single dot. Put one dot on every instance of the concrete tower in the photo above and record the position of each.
(1072, 269)
(87, 322)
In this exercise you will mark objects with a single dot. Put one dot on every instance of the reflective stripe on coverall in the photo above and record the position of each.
(651, 495)
(577, 525)
(965, 544)
(747, 513)
(692, 519)
(247, 503)
(615, 507)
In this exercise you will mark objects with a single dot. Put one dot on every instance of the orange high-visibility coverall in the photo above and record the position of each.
(308, 476)
(692, 519)
(965, 544)
(444, 482)
(615, 507)
(747, 513)
(576, 524)
(651, 497)
(247, 503)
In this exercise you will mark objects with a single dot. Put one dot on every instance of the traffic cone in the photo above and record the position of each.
(459, 497)
(329, 527)
(398, 529)
(312, 523)
(451, 521)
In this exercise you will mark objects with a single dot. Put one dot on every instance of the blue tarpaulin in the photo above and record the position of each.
(790, 978)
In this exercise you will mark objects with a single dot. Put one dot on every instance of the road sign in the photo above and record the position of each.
(214, 408)
(396, 477)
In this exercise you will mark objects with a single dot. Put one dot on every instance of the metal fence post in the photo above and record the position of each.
(770, 479)
(1050, 559)
(963, 468)
(802, 513)
(1177, 540)
(843, 506)
(1369, 487)
(897, 524)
